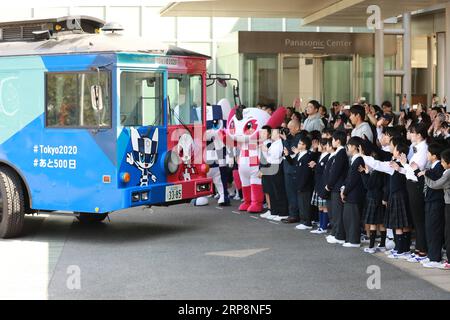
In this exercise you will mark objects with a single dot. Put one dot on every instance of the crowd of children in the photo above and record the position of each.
(369, 175)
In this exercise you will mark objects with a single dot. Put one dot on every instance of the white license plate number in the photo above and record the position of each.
(174, 193)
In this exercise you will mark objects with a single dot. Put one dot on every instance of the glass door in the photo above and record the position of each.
(290, 79)
(337, 80)
(301, 77)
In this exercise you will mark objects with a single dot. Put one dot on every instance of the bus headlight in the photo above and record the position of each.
(135, 197)
(171, 162)
(203, 187)
(144, 196)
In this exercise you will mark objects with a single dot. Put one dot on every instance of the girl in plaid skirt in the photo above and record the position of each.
(318, 196)
(373, 215)
(397, 212)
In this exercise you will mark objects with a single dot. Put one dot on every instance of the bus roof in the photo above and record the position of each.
(92, 43)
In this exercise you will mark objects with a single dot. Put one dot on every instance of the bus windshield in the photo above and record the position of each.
(185, 95)
(141, 98)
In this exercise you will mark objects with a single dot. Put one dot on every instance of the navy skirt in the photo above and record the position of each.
(397, 213)
(373, 212)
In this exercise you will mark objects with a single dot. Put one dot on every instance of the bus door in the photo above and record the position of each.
(185, 122)
(143, 139)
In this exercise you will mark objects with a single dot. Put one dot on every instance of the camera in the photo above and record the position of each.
(342, 117)
(285, 131)
(378, 115)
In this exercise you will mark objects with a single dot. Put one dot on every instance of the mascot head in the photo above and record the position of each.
(216, 118)
(244, 124)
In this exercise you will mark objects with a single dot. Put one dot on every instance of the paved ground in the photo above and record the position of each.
(186, 252)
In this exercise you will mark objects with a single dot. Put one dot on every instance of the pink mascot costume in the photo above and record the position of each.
(243, 127)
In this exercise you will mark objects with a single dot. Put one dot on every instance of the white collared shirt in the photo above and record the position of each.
(420, 158)
(275, 152)
(381, 166)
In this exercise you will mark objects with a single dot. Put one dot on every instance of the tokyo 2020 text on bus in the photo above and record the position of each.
(94, 121)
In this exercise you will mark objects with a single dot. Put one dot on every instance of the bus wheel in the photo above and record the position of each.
(91, 217)
(12, 204)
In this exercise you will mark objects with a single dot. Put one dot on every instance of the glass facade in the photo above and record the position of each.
(280, 79)
(337, 80)
(366, 79)
(260, 79)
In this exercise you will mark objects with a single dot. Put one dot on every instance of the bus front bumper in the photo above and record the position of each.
(167, 193)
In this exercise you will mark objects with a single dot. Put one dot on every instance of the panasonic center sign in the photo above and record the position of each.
(317, 44)
(312, 42)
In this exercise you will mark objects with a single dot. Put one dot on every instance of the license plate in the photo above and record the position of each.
(174, 193)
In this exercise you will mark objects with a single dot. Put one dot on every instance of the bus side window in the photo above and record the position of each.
(69, 102)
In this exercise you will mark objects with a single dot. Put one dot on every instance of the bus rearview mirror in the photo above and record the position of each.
(96, 98)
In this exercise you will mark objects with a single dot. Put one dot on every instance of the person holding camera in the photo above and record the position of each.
(290, 136)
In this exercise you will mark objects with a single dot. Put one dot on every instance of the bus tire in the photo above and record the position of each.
(91, 217)
(12, 204)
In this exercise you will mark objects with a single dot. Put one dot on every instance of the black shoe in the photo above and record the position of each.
(291, 220)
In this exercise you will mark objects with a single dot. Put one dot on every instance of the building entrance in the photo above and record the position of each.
(324, 77)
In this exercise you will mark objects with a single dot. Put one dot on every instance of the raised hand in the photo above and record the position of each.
(394, 165)
(403, 159)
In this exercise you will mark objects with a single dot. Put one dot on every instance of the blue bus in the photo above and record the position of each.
(93, 121)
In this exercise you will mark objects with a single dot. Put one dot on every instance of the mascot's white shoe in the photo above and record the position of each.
(200, 202)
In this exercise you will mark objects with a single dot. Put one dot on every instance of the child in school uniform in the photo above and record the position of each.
(334, 182)
(434, 210)
(352, 194)
(275, 178)
(397, 213)
(304, 182)
(315, 137)
(373, 215)
(264, 166)
(324, 193)
(443, 183)
(317, 200)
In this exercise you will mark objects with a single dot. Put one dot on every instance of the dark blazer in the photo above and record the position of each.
(291, 141)
(315, 155)
(386, 156)
(319, 174)
(304, 174)
(397, 182)
(323, 193)
(435, 174)
(374, 183)
(338, 171)
(354, 188)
